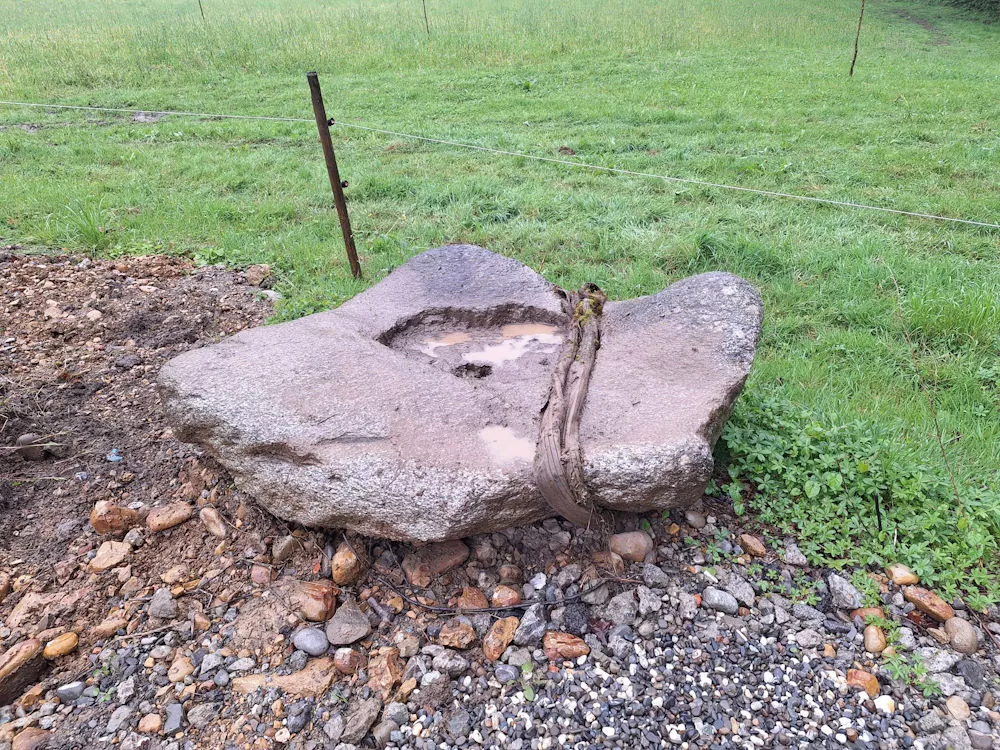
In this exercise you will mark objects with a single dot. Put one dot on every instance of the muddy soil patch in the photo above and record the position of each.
(80, 344)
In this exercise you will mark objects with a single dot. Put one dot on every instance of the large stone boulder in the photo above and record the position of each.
(412, 411)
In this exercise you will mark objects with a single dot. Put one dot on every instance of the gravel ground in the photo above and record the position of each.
(216, 631)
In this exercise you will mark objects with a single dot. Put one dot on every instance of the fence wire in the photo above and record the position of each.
(533, 157)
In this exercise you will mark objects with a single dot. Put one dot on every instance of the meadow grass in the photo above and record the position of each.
(743, 92)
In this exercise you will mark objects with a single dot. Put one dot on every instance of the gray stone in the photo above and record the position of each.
(242, 665)
(719, 600)
(843, 593)
(740, 589)
(359, 719)
(311, 640)
(622, 609)
(383, 731)
(348, 625)
(199, 716)
(597, 595)
(809, 638)
(517, 657)
(807, 614)
(506, 673)
(175, 715)
(334, 728)
(134, 537)
(649, 602)
(569, 574)
(980, 740)
(956, 738)
(435, 378)
(907, 640)
(938, 659)
(654, 577)
(687, 606)
(298, 719)
(532, 626)
(125, 690)
(163, 605)
(460, 723)
(950, 684)
(793, 555)
(118, 719)
(397, 712)
(210, 662)
(972, 672)
(161, 652)
(70, 691)
(931, 722)
(695, 519)
(450, 662)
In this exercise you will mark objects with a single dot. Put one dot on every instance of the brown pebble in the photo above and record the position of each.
(347, 566)
(752, 545)
(901, 575)
(60, 646)
(929, 603)
(167, 516)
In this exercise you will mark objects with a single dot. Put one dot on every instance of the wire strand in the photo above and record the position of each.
(534, 157)
(155, 112)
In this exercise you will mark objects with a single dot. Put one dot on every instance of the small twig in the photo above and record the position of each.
(12, 478)
(982, 624)
(13, 448)
(857, 38)
(384, 613)
(427, 24)
(143, 634)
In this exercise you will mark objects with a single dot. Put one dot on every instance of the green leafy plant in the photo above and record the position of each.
(527, 682)
(851, 494)
(910, 668)
(868, 587)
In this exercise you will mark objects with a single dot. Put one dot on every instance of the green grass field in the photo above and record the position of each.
(743, 92)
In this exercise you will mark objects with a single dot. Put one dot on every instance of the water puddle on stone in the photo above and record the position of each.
(506, 447)
(489, 348)
(430, 346)
(515, 341)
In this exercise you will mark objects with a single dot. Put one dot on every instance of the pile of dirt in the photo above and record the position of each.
(81, 342)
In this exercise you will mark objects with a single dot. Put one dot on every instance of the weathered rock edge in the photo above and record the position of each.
(325, 423)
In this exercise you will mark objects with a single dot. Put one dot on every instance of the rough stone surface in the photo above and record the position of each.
(465, 340)
(109, 555)
(19, 667)
(163, 604)
(929, 603)
(532, 626)
(963, 635)
(360, 718)
(622, 609)
(845, 595)
(348, 625)
(719, 600)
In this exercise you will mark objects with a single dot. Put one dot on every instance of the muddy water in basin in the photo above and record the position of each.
(492, 347)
